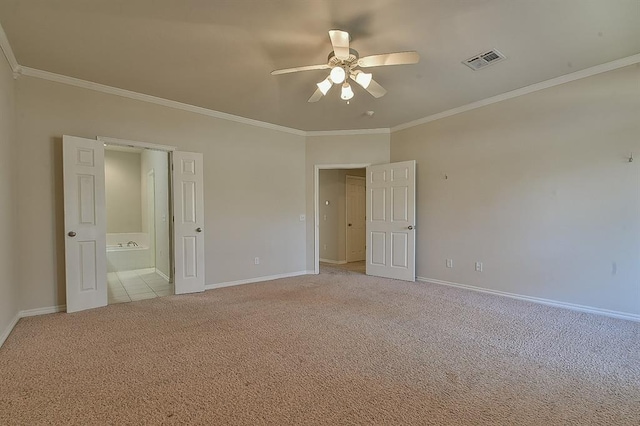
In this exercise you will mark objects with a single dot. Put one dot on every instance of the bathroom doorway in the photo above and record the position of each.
(138, 226)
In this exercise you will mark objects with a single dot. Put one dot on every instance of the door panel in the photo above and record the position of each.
(188, 208)
(85, 223)
(391, 220)
(356, 212)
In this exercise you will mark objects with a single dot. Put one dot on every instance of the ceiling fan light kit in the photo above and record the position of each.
(325, 85)
(337, 75)
(347, 92)
(343, 63)
(362, 78)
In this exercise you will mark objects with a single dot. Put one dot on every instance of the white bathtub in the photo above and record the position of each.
(121, 257)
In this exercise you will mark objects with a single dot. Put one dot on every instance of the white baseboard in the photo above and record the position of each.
(335, 262)
(558, 304)
(257, 279)
(162, 274)
(29, 313)
(42, 311)
(7, 331)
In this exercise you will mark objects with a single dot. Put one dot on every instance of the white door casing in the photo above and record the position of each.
(188, 226)
(355, 193)
(85, 223)
(391, 215)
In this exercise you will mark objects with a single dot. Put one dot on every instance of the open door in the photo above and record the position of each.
(188, 215)
(85, 223)
(391, 212)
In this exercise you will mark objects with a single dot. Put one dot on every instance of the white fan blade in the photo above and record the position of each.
(296, 69)
(399, 58)
(340, 42)
(376, 90)
(317, 95)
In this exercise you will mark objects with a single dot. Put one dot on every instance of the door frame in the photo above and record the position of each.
(316, 205)
(346, 207)
(169, 149)
(151, 174)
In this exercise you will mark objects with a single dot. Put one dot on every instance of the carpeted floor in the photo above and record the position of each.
(337, 348)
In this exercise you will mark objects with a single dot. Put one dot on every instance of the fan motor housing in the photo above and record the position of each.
(350, 62)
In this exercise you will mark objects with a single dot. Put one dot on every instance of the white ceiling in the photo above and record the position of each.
(218, 54)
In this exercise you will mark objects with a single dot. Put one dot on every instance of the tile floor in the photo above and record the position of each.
(129, 286)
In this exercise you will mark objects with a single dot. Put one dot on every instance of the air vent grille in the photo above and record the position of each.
(484, 59)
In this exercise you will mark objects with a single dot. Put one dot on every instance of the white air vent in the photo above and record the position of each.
(484, 59)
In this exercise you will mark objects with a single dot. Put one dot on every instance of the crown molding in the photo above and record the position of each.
(46, 75)
(8, 53)
(588, 72)
(383, 131)
(71, 81)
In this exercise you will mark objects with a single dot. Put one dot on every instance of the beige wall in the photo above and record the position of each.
(539, 189)
(254, 183)
(333, 218)
(344, 149)
(158, 162)
(123, 182)
(9, 302)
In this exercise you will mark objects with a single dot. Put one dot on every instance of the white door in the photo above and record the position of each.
(356, 229)
(391, 201)
(85, 223)
(188, 212)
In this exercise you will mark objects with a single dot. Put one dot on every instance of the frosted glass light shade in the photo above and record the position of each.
(337, 75)
(363, 79)
(347, 93)
(325, 85)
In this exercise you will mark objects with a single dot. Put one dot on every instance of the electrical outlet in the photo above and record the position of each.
(256, 261)
(303, 218)
(478, 266)
(449, 263)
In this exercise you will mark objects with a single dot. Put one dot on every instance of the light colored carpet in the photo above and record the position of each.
(337, 348)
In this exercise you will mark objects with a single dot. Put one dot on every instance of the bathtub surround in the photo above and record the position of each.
(126, 252)
(9, 298)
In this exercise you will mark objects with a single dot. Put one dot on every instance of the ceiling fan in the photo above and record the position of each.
(344, 63)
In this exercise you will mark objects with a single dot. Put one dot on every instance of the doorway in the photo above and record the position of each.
(138, 230)
(85, 220)
(342, 216)
(333, 237)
